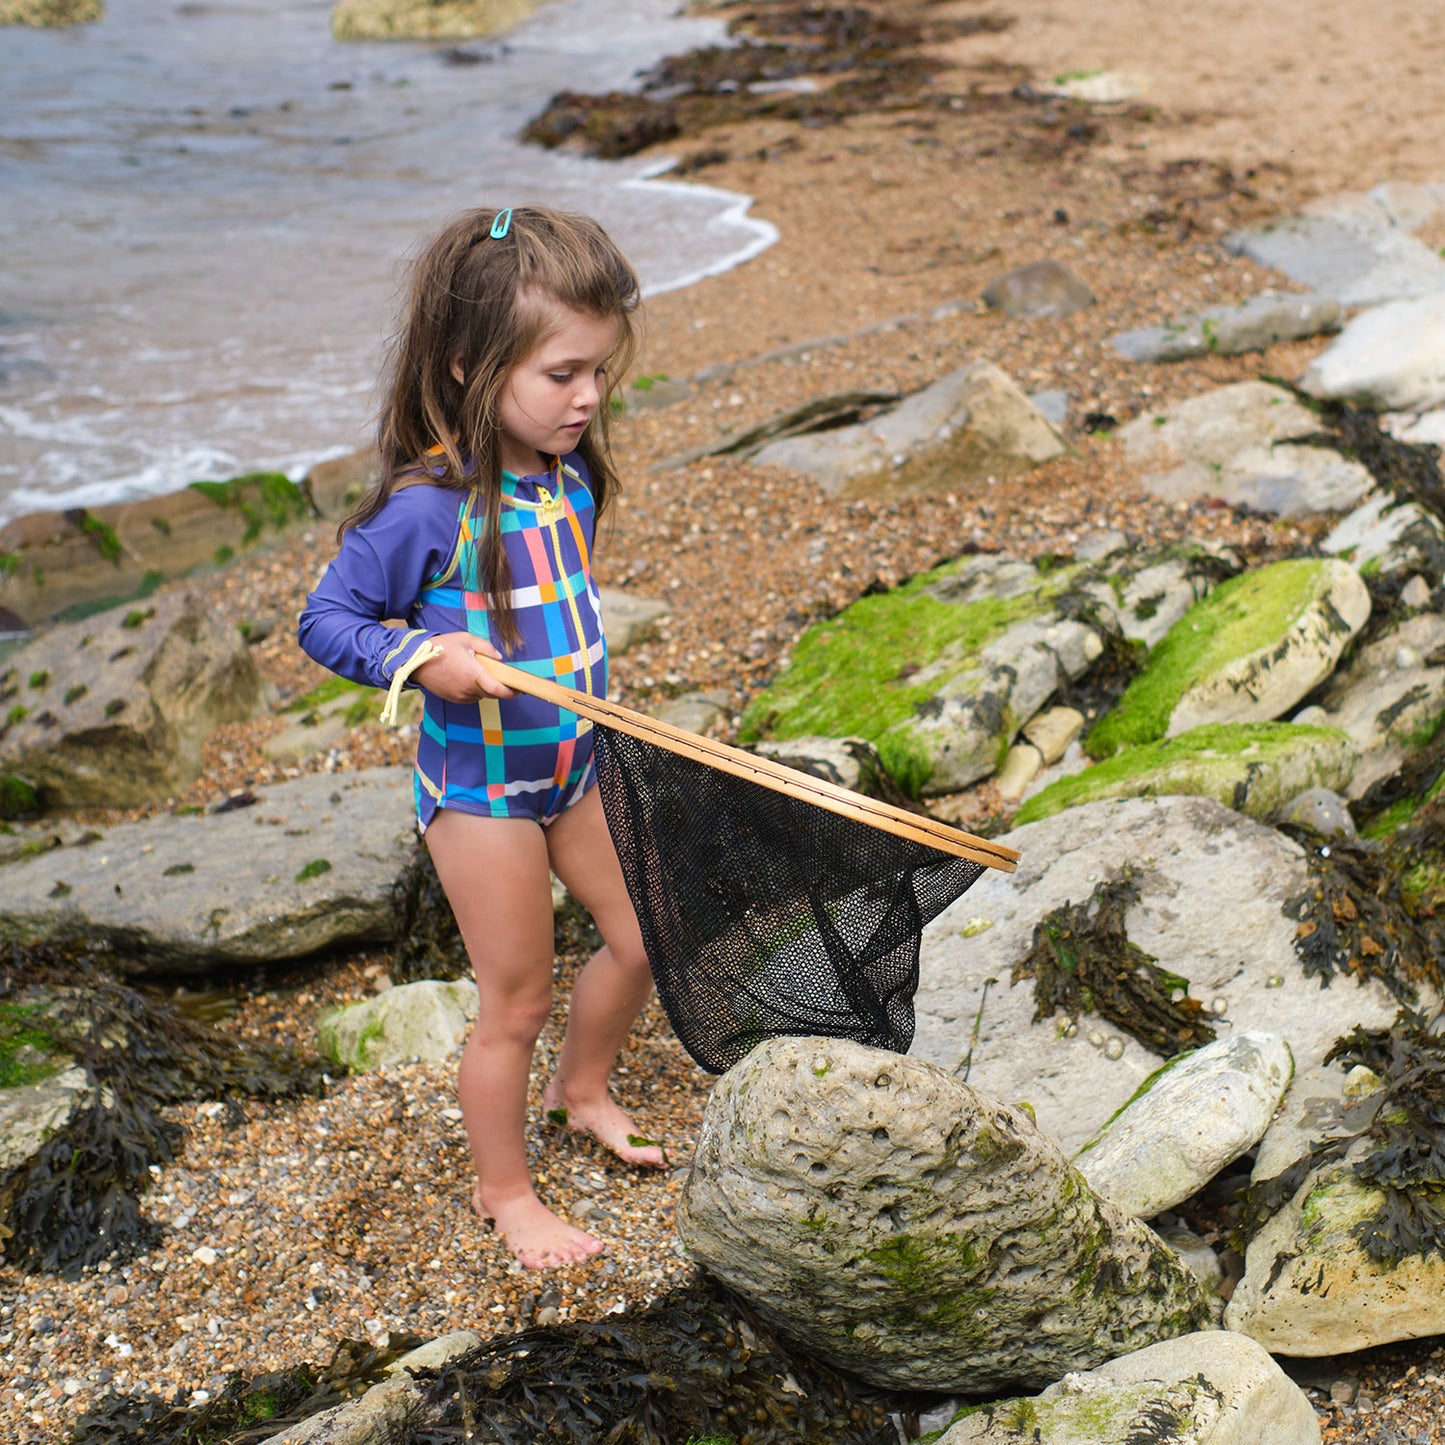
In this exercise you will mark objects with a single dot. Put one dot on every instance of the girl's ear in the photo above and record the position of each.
(458, 372)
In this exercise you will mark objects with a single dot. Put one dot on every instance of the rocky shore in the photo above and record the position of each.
(290, 1225)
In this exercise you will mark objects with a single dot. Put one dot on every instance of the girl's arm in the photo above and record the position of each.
(378, 575)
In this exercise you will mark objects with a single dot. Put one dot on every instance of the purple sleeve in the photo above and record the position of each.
(378, 574)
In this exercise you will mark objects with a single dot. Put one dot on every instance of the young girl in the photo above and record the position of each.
(495, 470)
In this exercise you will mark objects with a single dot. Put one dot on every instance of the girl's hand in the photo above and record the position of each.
(457, 676)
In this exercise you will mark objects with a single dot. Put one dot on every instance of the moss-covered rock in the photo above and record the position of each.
(50, 13)
(425, 1020)
(895, 1223)
(1248, 653)
(938, 674)
(426, 19)
(1254, 768)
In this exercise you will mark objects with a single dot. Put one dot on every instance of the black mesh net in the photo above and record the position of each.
(765, 915)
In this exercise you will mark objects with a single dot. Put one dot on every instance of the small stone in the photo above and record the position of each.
(1114, 1048)
(205, 1255)
(1042, 288)
(547, 1315)
(1415, 594)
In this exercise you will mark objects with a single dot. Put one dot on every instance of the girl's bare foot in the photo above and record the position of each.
(536, 1237)
(608, 1123)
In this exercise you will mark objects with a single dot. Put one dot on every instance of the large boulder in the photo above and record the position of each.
(938, 674)
(894, 1222)
(1254, 768)
(971, 424)
(1212, 888)
(1238, 443)
(1209, 1388)
(112, 711)
(311, 864)
(1250, 652)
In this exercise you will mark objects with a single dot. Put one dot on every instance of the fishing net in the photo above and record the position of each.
(772, 903)
(765, 914)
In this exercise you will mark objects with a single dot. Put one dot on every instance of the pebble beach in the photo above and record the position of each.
(289, 1228)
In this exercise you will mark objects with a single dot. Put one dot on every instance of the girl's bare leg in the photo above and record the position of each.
(495, 873)
(610, 991)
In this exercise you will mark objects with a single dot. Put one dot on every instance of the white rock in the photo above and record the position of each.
(1208, 1388)
(1390, 358)
(1197, 1115)
(425, 1020)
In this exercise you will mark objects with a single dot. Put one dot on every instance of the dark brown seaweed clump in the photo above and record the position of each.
(1082, 961)
(697, 1364)
(1354, 919)
(807, 63)
(77, 1200)
(247, 1410)
(1404, 1123)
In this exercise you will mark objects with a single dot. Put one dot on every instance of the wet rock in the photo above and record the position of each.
(1042, 288)
(1254, 325)
(1323, 812)
(313, 864)
(1195, 1116)
(973, 423)
(696, 711)
(1253, 768)
(424, 1020)
(1348, 247)
(1250, 652)
(335, 487)
(895, 1223)
(112, 711)
(1388, 698)
(426, 19)
(1213, 1387)
(1235, 443)
(1390, 358)
(1315, 1108)
(1212, 888)
(630, 618)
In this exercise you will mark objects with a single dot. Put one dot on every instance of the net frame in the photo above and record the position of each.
(856, 975)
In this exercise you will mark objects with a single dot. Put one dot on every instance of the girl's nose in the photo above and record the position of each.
(588, 394)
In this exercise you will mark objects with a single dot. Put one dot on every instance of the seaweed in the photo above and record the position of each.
(863, 55)
(76, 1201)
(247, 1409)
(1081, 961)
(695, 1363)
(1354, 919)
(1404, 1127)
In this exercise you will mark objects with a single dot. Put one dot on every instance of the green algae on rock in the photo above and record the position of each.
(1249, 652)
(888, 668)
(1254, 768)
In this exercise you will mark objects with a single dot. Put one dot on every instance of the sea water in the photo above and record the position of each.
(205, 206)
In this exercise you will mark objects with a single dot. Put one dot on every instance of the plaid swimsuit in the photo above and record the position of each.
(514, 757)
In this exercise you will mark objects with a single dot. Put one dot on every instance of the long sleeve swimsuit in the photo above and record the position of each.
(417, 560)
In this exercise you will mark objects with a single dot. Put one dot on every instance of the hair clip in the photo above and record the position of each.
(501, 224)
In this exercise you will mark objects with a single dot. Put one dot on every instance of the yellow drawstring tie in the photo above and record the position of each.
(424, 653)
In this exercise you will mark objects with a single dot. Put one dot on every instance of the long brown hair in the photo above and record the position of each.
(474, 297)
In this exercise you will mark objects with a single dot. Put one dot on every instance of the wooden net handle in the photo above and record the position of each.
(764, 771)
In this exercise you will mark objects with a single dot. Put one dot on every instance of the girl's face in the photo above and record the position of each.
(550, 397)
